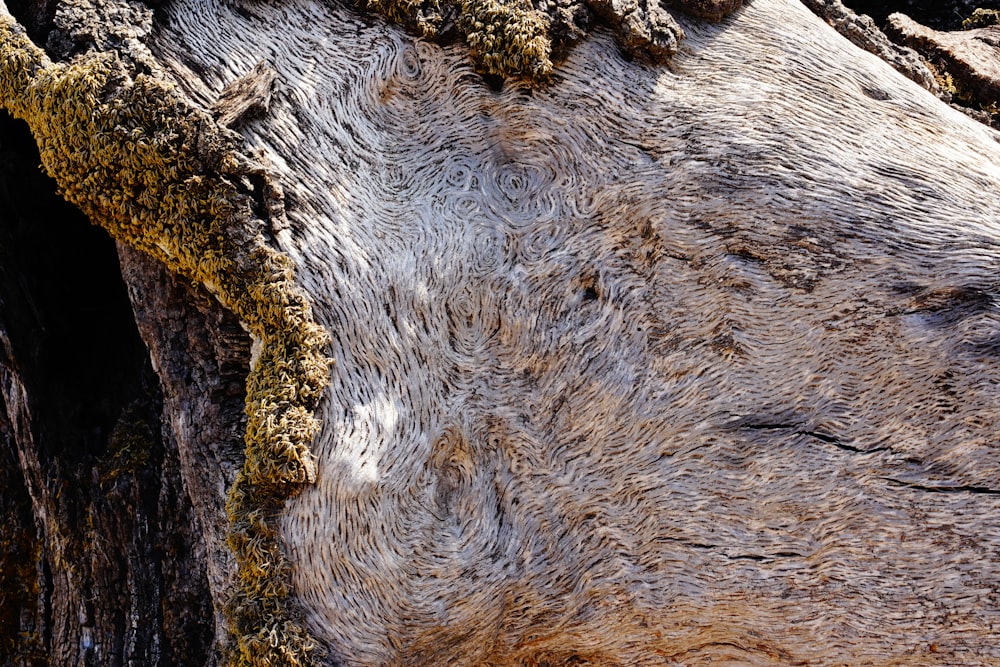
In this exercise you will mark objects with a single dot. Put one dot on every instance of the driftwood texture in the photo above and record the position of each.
(644, 366)
(648, 365)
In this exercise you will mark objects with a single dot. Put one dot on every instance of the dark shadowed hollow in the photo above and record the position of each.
(80, 439)
(63, 291)
(938, 14)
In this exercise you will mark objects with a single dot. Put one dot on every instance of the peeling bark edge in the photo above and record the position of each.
(163, 178)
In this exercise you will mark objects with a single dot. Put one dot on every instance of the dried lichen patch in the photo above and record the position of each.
(160, 177)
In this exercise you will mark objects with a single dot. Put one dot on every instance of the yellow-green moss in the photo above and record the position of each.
(982, 18)
(960, 95)
(130, 444)
(159, 176)
(422, 17)
(507, 37)
(520, 38)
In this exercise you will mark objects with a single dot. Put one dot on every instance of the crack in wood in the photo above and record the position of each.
(944, 488)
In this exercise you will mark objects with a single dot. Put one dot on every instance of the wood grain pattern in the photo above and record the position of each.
(648, 366)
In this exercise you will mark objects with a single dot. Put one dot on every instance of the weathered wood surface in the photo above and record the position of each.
(685, 364)
(863, 32)
(646, 366)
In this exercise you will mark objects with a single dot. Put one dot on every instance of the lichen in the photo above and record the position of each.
(161, 177)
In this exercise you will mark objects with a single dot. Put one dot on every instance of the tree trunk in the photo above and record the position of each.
(103, 562)
(641, 363)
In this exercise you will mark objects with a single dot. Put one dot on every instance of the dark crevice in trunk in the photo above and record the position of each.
(74, 334)
(21, 620)
(822, 437)
(944, 488)
(35, 15)
(102, 526)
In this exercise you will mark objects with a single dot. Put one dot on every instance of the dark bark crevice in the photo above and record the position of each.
(21, 576)
(92, 490)
(74, 336)
(944, 488)
(35, 15)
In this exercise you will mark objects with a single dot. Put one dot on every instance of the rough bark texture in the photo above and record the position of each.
(102, 561)
(201, 356)
(642, 366)
(972, 57)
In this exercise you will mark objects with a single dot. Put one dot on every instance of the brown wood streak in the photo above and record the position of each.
(248, 95)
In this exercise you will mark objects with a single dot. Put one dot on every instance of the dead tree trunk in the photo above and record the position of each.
(682, 350)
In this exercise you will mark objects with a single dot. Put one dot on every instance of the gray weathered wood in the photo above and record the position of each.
(675, 365)
(646, 365)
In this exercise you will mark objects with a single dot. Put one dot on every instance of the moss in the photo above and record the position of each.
(506, 36)
(982, 18)
(130, 445)
(960, 96)
(521, 37)
(161, 177)
(424, 17)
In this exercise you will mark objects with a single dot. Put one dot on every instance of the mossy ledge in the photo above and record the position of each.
(161, 177)
(521, 38)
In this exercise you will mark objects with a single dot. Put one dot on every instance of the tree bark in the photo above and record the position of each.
(103, 562)
(641, 364)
